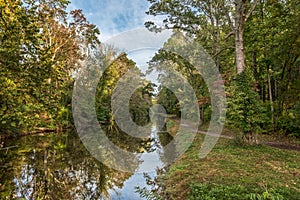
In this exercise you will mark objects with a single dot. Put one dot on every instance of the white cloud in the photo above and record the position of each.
(113, 16)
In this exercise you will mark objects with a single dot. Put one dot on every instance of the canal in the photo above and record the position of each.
(58, 166)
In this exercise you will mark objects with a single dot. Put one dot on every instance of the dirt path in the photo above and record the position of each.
(280, 145)
(283, 145)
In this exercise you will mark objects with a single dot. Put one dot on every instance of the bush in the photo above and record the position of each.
(236, 192)
(289, 122)
(220, 192)
(245, 111)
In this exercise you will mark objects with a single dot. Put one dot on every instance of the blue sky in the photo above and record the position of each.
(114, 16)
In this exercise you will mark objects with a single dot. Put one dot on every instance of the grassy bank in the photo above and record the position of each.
(233, 171)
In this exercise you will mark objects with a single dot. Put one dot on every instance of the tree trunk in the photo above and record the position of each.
(241, 16)
(255, 71)
(240, 22)
(202, 115)
(271, 99)
(254, 58)
(240, 52)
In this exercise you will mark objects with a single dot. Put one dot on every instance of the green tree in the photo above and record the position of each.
(272, 38)
(40, 49)
(110, 77)
(213, 18)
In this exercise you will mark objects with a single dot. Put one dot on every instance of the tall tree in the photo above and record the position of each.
(40, 49)
(213, 16)
(273, 36)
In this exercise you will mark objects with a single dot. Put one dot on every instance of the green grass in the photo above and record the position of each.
(240, 172)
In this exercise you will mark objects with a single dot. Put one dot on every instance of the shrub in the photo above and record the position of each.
(235, 192)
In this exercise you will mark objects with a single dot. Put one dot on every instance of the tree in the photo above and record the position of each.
(18, 35)
(211, 16)
(40, 49)
(272, 38)
(110, 77)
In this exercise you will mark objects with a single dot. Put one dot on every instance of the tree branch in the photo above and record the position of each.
(60, 46)
(220, 51)
(229, 35)
(251, 10)
(228, 17)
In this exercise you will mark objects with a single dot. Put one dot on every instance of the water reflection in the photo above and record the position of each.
(59, 167)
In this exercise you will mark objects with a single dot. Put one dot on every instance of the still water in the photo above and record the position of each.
(58, 166)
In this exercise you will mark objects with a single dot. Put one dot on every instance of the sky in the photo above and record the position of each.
(114, 16)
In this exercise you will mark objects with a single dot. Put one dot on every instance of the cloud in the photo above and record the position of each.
(113, 16)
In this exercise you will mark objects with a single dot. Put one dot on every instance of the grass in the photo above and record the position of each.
(259, 170)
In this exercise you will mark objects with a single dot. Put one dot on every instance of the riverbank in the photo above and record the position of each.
(232, 171)
(275, 140)
(36, 131)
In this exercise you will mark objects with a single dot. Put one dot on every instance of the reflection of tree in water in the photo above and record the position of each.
(55, 167)
(127, 142)
(165, 140)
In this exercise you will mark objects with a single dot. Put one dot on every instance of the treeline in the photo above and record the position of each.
(41, 45)
(43, 48)
(115, 80)
(255, 44)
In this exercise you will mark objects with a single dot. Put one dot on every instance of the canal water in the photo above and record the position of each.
(58, 166)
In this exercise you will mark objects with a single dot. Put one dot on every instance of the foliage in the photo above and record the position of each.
(244, 108)
(140, 101)
(54, 166)
(167, 62)
(214, 192)
(110, 77)
(41, 47)
(266, 32)
(289, 122)
(169, 101)
(250, 169)
(207, 192)
(149, 195)
(272, 40)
